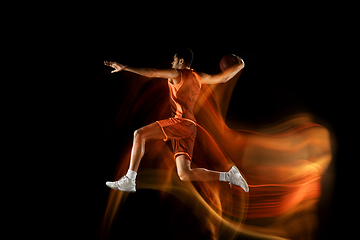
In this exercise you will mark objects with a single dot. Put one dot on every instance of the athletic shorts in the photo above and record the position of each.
(182, 133)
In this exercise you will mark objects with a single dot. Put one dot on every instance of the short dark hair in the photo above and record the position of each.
(186, 54)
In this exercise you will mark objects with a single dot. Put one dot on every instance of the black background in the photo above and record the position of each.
(293, 59)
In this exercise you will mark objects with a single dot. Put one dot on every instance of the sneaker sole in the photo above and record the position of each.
(126, 190)
(121, 189)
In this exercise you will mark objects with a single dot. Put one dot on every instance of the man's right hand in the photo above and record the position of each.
(117, 66)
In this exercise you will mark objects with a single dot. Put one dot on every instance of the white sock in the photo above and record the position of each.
(131, 174)
(224, 177)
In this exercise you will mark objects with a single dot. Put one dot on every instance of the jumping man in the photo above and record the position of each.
(184, 86)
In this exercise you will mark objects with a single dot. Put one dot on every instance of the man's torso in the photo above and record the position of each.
(183, 95)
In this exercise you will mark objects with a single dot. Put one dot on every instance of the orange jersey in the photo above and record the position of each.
(183, 95)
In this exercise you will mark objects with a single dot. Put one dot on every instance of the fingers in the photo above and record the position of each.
(109, 63)
(116, 70)
(240, 60)
(118, 67)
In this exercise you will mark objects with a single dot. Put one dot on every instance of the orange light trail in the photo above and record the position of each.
(283, 164)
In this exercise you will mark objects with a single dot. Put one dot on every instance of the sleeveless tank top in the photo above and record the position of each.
(183, 95)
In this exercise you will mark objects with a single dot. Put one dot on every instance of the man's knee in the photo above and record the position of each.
(183, 168)
(139, 134)
(184, 173)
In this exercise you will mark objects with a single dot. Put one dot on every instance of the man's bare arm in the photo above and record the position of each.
(147, 72)
(154, 73)
(222, 77)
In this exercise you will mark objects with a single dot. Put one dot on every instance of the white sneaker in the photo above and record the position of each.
(124, 184)
(237, 179)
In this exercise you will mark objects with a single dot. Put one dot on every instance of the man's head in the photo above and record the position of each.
(183, 58)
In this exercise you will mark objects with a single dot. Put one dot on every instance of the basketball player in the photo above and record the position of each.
(184, 86)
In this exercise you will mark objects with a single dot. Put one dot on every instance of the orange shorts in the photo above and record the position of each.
(182, 133)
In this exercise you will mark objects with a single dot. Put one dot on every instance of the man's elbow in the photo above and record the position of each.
(225, 79)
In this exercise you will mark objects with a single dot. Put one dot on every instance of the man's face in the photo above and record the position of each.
(176, 63)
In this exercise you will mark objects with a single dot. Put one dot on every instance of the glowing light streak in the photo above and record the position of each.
(282, 162)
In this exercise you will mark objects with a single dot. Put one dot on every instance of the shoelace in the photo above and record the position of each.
(122, 180)
(231, 181)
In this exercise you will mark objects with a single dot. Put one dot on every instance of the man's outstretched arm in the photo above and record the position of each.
(223, 77)
(147, 72)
